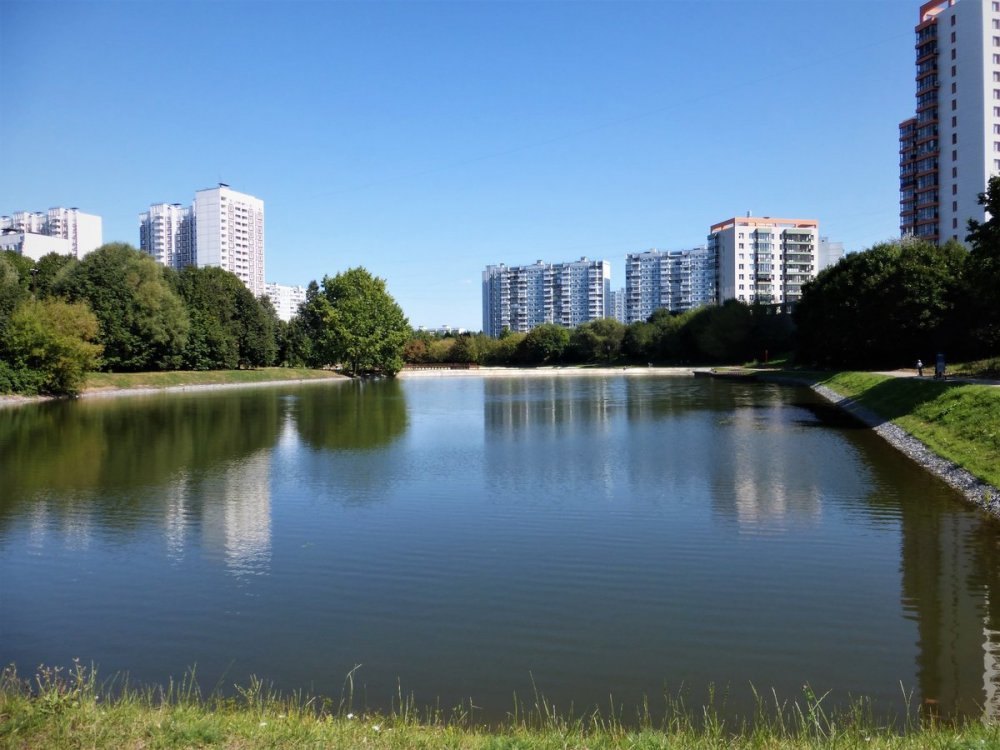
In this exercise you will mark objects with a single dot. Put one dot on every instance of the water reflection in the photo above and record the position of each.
(728, 531)
(760, 479)
(103, 457)
(236, 513)
(361, 415)
(514, 405)
(950, 586)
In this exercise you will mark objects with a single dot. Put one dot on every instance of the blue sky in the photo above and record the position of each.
(425, 140)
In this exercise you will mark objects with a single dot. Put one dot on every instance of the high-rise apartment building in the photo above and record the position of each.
(764, 260)
(229, 233)
(223, 228)
(166, 231)
(678, 280)
(82, 232)
(521, 297)
(285, 298)
(616, 305)
(949, 150)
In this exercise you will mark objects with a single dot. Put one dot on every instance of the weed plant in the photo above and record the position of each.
(56, 709)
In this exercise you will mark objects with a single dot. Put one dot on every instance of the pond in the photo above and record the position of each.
(466, 540)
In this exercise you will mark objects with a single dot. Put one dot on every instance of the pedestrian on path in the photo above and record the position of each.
(920, 368)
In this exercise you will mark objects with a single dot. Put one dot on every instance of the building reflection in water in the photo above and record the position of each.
(759, 479)
(951, 586)
(237, 514)
(574, 414)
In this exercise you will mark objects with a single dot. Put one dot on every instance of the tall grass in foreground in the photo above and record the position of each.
(73, 710)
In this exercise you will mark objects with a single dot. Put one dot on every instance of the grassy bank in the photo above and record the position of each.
(57, 712)
(127, 380)
(957, 421)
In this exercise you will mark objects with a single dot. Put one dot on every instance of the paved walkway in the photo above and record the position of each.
(929, 373)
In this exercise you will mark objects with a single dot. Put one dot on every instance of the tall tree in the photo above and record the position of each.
(884, 307)
(983, 275)
(51, 342)
(229, 327)
(143, 323)
(544, 344)
(352, 321)
(597, 340)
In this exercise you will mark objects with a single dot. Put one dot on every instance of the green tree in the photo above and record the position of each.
(884, 307)
(982, 303)
(229, 327)
(48, 270)
(53, 341)
(597, 340)
(143, 322)
(13, 287)
(544, 344)
(354, 322)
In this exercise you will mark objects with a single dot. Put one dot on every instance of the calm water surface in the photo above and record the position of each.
(473, 539)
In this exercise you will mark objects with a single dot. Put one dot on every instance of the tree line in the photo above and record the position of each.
(118, 310)
(887, 306)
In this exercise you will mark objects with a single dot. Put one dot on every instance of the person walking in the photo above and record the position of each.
(920, 368)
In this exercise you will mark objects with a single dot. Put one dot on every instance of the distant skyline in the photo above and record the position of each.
(427, 140)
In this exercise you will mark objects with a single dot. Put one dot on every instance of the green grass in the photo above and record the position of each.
(58, 711)
(957, 421)
(126, 380)
(983, 368)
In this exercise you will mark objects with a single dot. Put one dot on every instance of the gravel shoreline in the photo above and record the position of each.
(976, 491)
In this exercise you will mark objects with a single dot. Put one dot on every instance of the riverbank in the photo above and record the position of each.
(950, 428)
(109, 384)
(58, 713)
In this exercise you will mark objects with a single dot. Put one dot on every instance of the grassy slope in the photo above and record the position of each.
(956, 421)
(103, 380)
(56, 713)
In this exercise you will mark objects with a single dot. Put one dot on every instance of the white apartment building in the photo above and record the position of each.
(229, 234)
(678, 280)
(166, 231)
(521, 297)
(764, 260)
(616, 305)
(285, 298)
(222, 229)
(949, 150)
(33, 245)
(829, 254)
(82, 232)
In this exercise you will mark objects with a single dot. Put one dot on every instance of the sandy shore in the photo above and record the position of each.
(151, 391)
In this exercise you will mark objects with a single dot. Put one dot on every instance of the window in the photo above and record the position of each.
(954, 171)
(996, 59)
(953, 20)
(954, 121)
(953, 33)
(954, 102)
(954, 87)
(954, 223)
(954, 69)
(954, 138)
(954, 206)
(953, 52)
(954, 155)
(996, 23)
(954, 189)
